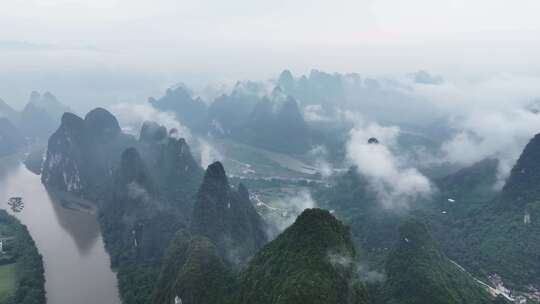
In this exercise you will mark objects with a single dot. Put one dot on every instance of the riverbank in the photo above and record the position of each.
(68, 237)
(22, 278)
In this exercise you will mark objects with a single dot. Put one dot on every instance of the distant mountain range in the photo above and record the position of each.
(11, 138)
(272, 122)
(176, 232)
(35, 123)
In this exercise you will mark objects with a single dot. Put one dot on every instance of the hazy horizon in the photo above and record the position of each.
(91, 53)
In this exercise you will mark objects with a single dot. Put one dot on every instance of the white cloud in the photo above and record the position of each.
(490, 117)
(320, 160)
(135, 191)
(287, 209)
(315, 113)
(395, 183)
(364, 273)
(456, 16)
(134, 114)
(208, 153)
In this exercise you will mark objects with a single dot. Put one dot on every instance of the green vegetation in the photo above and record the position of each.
(313, 261)
(418, 273)
(493, 234)
(22, 282)
(194, 272)
(459, 225)
(374, 229)
(138, 221)
(227, 217)
(8, 281)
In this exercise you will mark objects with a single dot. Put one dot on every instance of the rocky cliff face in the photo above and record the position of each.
(102, 125)
(227, 217)
(176, 172)
(82, 152)
(132, 181)
(139, 220)
(65, 167)
(225, 232)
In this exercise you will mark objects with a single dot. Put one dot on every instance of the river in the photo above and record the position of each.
(77, 267)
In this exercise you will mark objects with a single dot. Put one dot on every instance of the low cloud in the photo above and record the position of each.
(395, 183)
(134, 114)
(499, 135)
(493, 117)
(362, 271)
(316, 113)
(284, 211)
(136, 192)
(320, 154)
(208, 153)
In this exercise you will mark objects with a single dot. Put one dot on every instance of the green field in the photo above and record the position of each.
(7, 281)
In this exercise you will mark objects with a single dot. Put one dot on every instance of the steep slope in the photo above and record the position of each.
(152, 132)
(173, 261)
(271, 119)
(471, 183)
(102, 125)
(228, 113)
(178, 173)
(82, 152)
(130, 217)
(190, 111)
(227, 217)
(28, 263)
(373, 227)
(419, 273)
(133, 184)
(41, 115)
(11, 139)
(510, 239)
(7, 111)
(312, 261)
(170, 161)
(460, 210)
(64, 167)
(502, 236)
(486, 231)
(523, 184)
(137, 227)
(194, 273)
(225, 232)
(260, 121)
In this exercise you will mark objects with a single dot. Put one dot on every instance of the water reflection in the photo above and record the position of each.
(81, 226)
(9, 164)
(76, 264)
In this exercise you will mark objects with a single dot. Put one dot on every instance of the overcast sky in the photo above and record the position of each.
(127, 49)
